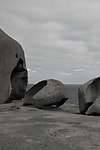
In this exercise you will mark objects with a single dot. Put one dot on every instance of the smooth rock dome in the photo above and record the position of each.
(89, 96)
(13, 72)
(46, 92)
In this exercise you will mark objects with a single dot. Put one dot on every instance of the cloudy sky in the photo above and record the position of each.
(61, 38)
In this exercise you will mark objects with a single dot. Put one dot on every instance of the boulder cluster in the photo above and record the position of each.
(14, 79)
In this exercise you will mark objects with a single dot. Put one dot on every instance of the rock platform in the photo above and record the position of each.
(26, 127)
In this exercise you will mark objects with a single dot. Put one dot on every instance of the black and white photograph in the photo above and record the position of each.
(50, 75)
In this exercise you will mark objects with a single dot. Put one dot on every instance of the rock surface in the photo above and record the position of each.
(13, 72)
(88, 96)
(94, 109)
(62, 128)
(47, 92)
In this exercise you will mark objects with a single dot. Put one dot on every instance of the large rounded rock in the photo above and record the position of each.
(47, 92)
(88, 93)
(13, 72)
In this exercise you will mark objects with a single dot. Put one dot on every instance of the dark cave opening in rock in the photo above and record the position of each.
(37, 87)
(18, 82)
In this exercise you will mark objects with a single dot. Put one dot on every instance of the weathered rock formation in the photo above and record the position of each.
(47, 92)
(94, 108)
(13, 72)
(89, 97)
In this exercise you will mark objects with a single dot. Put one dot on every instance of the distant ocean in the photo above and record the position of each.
(72, 93)
(72, 90)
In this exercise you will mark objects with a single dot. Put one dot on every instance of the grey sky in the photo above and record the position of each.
(61, 38)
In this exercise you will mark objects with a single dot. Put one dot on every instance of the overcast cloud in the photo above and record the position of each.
(61, 38)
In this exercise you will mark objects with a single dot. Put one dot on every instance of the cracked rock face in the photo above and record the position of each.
(13, 72)
(89, 97)
(46, 93)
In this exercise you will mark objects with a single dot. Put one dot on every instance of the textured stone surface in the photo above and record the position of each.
(63, 128)
(13, 73)
(88, 96)
(94, 108)
(47, 92)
